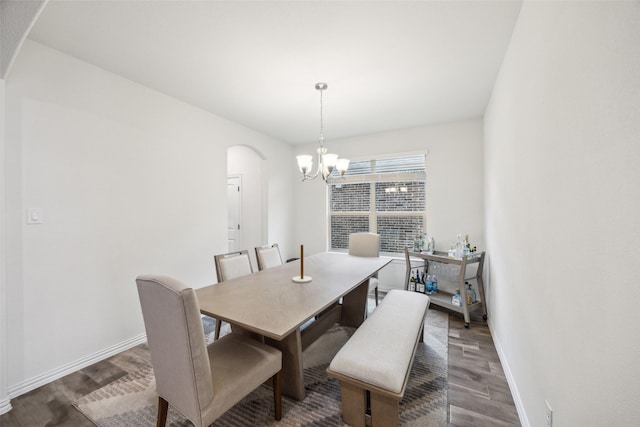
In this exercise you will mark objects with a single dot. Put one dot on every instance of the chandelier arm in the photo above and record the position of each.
(320, 152)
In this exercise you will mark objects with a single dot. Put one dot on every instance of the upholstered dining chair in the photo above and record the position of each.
(202, 382)
(366, 245)
(268, 256)
(229, 266)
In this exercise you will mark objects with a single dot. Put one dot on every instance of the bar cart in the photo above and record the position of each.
(442, 298)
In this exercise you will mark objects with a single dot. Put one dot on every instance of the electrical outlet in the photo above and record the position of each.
(549, 414)
(34, 215)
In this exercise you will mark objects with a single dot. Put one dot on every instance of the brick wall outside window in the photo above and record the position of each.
(350, 197)
(342, 226)
(398, 216)
(399, 200)
(396, 232)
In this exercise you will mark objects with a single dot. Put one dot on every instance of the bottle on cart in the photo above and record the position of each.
(418, 283)
(412, 283)
(421, 241)
(471, 293)
(456, 299)
(428, 285)
(459, 248)
(434, 283)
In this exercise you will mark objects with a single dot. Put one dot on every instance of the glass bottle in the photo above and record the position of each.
(412, 283)
(456, 299)
(471, 294)
(459, 246)
(428, 285)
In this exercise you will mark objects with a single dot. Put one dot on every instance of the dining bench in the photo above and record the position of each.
(377, 359)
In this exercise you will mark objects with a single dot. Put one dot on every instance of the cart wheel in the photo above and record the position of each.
(466, 325)
(484, 317)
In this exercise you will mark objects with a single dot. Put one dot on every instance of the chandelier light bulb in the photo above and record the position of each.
(305, 163)
(342, 165)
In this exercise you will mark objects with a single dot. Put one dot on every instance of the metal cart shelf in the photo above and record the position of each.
(442, 298)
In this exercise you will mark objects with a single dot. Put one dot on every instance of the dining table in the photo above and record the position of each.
(270, 305)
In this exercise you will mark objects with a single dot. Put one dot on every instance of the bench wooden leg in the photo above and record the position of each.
(353, 404)
(384, 411)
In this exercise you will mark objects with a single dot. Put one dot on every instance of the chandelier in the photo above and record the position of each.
(326, 161)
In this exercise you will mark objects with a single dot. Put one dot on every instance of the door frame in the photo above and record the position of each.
(240, 212)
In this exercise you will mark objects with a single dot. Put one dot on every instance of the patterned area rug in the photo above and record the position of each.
(132, 401)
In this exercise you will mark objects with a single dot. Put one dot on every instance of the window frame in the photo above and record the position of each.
(373, 179)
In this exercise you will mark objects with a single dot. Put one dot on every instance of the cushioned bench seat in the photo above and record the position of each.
(378, 358)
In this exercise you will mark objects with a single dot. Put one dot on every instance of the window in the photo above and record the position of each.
(386, 196)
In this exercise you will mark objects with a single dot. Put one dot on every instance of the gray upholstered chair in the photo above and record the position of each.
(202, 382)
(229, 266)
(232, 265)
(366, 245)
(268, 256)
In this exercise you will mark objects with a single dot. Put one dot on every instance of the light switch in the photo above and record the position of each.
(34, 215)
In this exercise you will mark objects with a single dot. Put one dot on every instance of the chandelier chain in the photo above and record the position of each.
(321, 119)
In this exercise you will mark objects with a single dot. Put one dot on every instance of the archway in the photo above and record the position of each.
(246, 167)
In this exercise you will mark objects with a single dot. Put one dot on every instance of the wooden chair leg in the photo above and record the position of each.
(376, 292)
(277, 395)
(218, 326)
(163, 409)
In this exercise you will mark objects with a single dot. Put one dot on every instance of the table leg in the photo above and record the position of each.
(354, 306)
(292, 369)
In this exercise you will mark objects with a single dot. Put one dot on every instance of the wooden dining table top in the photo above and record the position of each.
(269, 303)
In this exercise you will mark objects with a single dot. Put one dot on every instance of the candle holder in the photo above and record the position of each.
(301, 278)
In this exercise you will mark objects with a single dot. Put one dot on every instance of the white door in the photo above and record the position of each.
(234, 198)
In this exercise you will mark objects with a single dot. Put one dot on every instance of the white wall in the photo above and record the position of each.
(130, 182)
(454, 181)
(563, 212)
(5, 404)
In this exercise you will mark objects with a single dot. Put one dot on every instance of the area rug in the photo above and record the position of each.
(132, 401)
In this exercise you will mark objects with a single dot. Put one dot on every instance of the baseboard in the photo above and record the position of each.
(510, 379)
(5, 406)
(54, 374)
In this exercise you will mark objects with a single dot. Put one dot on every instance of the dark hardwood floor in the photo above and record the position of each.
(478, 392)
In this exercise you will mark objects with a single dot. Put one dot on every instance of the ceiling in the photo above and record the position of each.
(389, 64)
